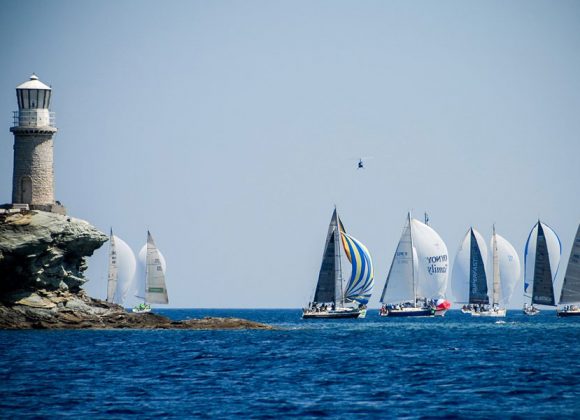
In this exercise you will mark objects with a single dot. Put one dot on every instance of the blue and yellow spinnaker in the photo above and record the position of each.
(361, 282)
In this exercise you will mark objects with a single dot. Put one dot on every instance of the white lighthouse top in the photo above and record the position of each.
(33, 83)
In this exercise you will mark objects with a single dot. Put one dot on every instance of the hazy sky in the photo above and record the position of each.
(230, 128)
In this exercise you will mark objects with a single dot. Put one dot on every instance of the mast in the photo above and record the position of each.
(412, 260)
(337, 264)
(496, 278)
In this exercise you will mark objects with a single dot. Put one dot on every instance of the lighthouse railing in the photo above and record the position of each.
(33, 118)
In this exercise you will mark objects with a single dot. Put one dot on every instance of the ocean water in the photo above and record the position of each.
(455, 366)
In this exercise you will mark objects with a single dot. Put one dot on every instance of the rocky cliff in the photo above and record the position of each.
(42, 265)
(41, 250)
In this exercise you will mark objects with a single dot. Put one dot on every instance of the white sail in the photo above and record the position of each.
(509, 268)
(141, 275)
(554, 251)
(122, 267)
(112, 277)
(461, 274)
(399, 285)
(433, 261)
(496, 280)
(156, 291)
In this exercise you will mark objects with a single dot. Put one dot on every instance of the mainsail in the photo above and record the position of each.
(400, 283)
(330, 275)
(361, 282)
(543, 244)
(419, 267)
(571, 286)
(468, 279)
(155, 291)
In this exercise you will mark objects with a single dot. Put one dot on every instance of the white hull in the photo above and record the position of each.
(531, 313)
(141, 311)
(497, 313)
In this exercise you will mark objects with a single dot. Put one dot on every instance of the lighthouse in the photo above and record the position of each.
(33, 129)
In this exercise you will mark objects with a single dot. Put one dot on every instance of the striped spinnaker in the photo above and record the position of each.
(361, 282)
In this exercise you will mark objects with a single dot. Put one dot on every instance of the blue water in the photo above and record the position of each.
(455, 366)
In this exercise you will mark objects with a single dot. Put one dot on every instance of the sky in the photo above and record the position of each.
(231, 129)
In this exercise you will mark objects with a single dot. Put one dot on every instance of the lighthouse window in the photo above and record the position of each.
(25, 99)
(33, 98)
(20, 100)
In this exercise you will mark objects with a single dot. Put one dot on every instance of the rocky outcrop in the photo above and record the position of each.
(62, 309)
(42, 265)
(41, 250)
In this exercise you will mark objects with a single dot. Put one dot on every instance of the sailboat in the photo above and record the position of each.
(468, 278)
(570, 295)
(418, 273)
(541, 261)
(151, 286)
(332, 298)
(121, 271)
(506, 271)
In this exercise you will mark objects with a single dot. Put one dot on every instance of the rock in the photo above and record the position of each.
(45, 250)
(42, 265)
(65, 310)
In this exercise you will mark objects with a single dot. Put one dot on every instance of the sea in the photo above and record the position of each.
(454, 367)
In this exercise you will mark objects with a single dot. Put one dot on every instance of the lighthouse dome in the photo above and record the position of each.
(33, 83)
(33, 94)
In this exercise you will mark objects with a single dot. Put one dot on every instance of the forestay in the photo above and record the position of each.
(571, 286)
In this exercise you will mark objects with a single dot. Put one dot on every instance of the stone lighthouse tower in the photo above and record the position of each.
(33, 177)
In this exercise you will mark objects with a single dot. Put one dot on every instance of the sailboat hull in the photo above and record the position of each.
(331, 314)
(568, 313)
(408, 312)
(498, 313)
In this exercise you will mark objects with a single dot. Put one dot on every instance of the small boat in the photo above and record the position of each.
(541, 260)
(418, 271)
(121, 273)
(570, 295)
(333, 299)
(151, 286)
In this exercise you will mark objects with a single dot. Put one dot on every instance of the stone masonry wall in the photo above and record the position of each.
(33, 157)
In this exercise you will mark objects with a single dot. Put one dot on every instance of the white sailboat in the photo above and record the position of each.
(417, 277)
(122, 266)
(151, 286)
(570, 295)
(506, 271)
(541, 261)
(332, 298)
